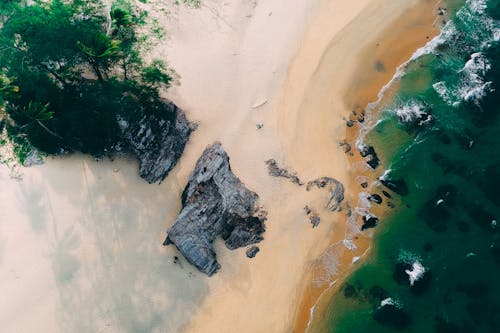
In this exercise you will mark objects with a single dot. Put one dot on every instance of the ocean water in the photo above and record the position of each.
(435, 264)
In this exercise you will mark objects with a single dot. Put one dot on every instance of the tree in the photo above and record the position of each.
(72, 70)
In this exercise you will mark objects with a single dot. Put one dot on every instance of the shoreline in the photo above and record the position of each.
(239, 65)
(417, 27)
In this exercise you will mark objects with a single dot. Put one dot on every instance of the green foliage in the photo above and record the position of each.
(193, 3)
(69, 70)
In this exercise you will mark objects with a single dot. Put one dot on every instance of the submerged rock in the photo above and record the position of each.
(398, 186)
(336, 191)
(157, 142)
(276, 171)
(215, 203)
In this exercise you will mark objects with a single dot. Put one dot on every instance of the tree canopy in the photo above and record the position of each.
(69, 69)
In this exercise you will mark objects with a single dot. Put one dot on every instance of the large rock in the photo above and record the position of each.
(157, 141)
(215, 202)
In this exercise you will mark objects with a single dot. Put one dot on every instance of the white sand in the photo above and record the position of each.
(80, 251)
(80, 246)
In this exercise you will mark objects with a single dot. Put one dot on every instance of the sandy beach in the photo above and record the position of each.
(80, 240)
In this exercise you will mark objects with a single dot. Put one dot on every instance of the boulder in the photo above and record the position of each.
(156, 140)
(215, 203)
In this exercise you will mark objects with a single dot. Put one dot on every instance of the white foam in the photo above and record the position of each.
(471, 86)
(416, 272)
(385, 175)
(412, 111)
(387, 301)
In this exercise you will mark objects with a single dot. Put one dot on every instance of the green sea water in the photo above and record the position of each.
(435, 265)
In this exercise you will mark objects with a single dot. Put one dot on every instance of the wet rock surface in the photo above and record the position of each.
(369, 221)
(215, 203)
(276, 171)
(336, 191)
(370, 156)
(376, 198)
(157, 142)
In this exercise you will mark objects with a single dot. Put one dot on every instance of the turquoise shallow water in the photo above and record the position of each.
(435, 266)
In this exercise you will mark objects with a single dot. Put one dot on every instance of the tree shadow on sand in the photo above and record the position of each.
(111, 272)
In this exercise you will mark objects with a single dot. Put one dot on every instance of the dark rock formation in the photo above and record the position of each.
(315, 220)
(398, 186)
(347, 146)
(313, 216)
(386, 194)
(252, 251)
(276, 171)
(336, 191)
(215, 202)
(369, 221)
(370, 156)
(157, 142)
(375, 198)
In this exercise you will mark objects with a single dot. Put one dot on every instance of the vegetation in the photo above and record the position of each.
(69, 69)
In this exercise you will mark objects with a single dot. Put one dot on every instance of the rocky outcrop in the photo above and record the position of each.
(215, 203)
(336, 191)
(276, 171)
(157, 141)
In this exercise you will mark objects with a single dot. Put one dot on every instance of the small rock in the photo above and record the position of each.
(315, 220)
(252, 251)
(369, 221)
(259, 125)
(375, 198)
(307, 210)
(364, 184)
(350, 123)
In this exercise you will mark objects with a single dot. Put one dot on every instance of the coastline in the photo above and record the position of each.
(239, 65)
(406, 33)
(300, 131)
